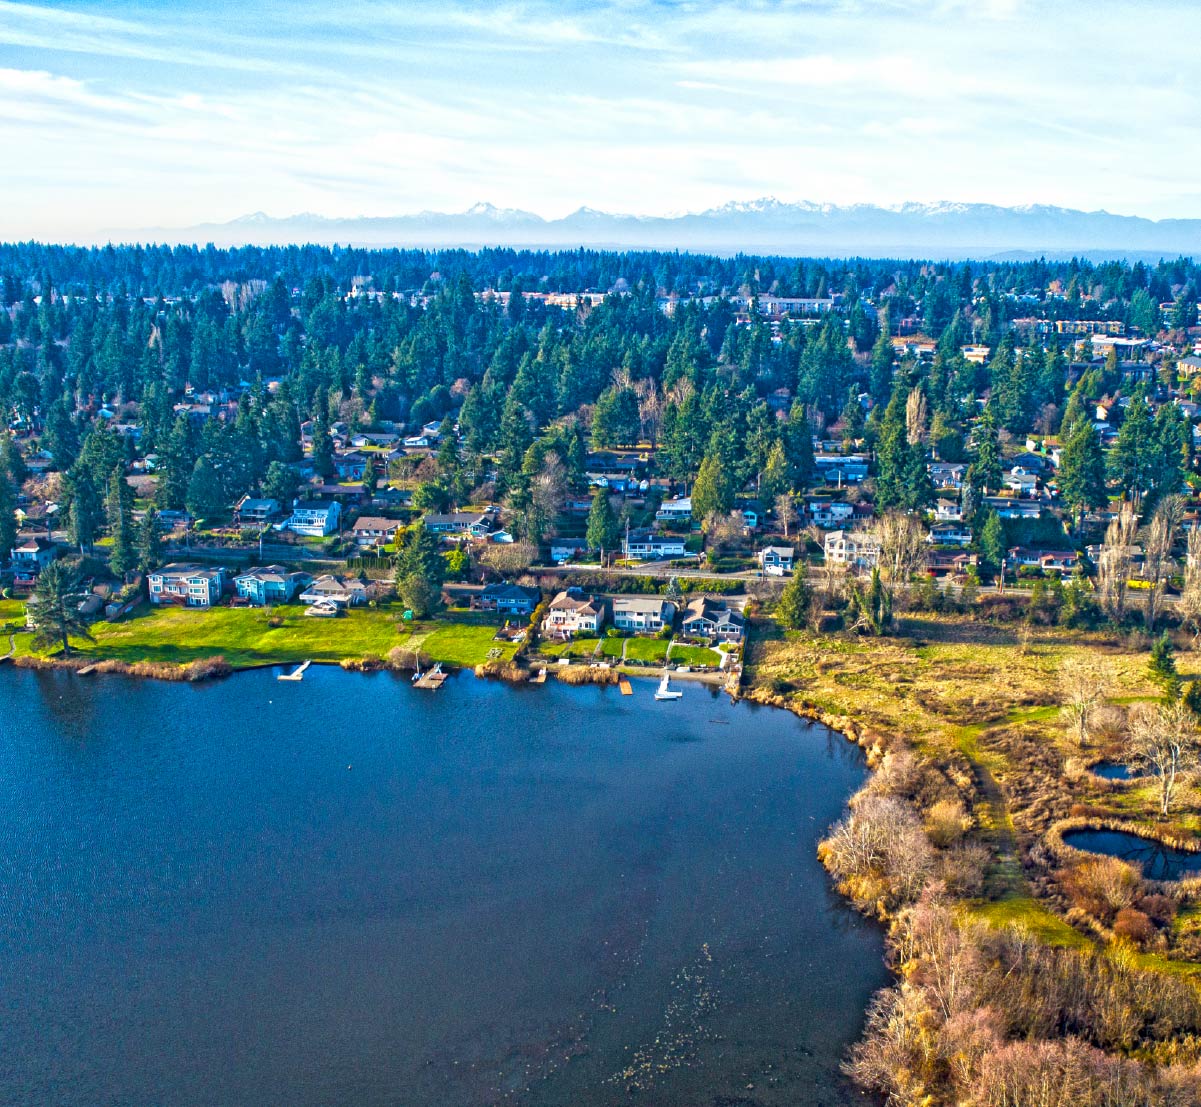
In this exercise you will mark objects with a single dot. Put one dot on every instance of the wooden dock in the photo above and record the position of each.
(626, 688)
(539, 677)
(431, 681)
(297, 674)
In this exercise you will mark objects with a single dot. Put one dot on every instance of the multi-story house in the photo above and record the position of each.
(643, 614)
(270, 584)
(186, 585)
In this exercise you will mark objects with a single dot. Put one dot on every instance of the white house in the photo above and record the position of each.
(859, 549)
(677, 510)
(642, 614)
(829, 513)
(950, 534)
(373, 530)
(186, 585)
(648, 546)
(339, 591)
(315, 518)
(572, 612)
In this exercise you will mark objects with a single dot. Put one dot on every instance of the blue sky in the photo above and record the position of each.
(121, 115)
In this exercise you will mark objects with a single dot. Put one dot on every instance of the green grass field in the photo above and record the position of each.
(694, 655)
(647, 650)
(243, 636)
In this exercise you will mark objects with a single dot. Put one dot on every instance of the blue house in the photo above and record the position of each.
(271, 584)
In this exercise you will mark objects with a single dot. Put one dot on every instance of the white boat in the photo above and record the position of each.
(666, 692)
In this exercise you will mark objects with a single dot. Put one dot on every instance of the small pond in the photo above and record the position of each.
(1158, 862)
(1113, 770)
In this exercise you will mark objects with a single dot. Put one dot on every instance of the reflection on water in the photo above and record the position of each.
(1112, 770)
(344, 890)
(1158, 862)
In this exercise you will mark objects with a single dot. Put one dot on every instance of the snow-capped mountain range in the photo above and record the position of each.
(937, 230)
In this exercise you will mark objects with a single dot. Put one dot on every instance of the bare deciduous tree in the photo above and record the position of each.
(509, 557)
(1113, 570)
(785, 511)
(1189, 607)
(1165, 742)
(1082, 687)
(902, 545)
(1158, 563)
(915, 417)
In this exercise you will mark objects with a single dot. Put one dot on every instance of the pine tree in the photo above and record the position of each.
(8, 516)
(795, 601)
(53, 609)
(602, 530)
(150, 542)
(122, 556)
(992, 542)
(1081, 475)
(420, 571)
(712, 494)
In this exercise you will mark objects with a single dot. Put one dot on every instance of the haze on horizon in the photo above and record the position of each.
(116, 115)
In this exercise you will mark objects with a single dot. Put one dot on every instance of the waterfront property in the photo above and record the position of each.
(339, 591)
(186, 585)
(507, 599)
(270, 584)
(572, 612)
(716, 620)
(643, 614)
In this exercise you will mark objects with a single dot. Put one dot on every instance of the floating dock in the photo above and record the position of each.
(626, 688)
(431, 681)
(539, 677)
(297, 674)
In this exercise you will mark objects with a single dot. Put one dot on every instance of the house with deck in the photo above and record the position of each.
(573, 612)
(714, 619)
(315, 518)
(507, 599)
(341, 592)
(645, 545)
(184, 585)
(776, 560)
(270, 584)
(643, 614)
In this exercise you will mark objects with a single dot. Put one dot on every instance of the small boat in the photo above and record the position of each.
(665, 691)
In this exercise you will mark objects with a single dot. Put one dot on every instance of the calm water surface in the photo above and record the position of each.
(346, 891)
(1158, 862)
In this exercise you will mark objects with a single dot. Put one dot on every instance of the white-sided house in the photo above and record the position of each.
(677, 510)
(855, 549)
(648, 546)
(829, 513)
(776, 560)
(374, 530)
(948, 511)
(315, 518)
(338, 591)
(186, 585)
(32, 553)
(950, 534)
(643, 614)
(705, 617)
(572, 612)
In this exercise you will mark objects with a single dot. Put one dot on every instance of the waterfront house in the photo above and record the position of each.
(270, 584)
(572, 612)
(705, 617)
(507, 599)
(186, 585)
(339, 591)
(643, 614)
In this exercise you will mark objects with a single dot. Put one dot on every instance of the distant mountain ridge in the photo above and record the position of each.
(766, 225)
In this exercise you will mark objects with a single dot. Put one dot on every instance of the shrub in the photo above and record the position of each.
(1103, 886)
(946, 822)
(1133, 925)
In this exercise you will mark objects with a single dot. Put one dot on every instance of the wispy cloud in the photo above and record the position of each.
(110, 118)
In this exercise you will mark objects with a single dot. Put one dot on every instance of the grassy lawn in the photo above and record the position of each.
(577, 647)
(612, 647)
(649, 650)
(242, 636)
(694, 655)
(459, 643)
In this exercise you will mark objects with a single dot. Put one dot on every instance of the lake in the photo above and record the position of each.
(347, 891)
(1157, 861)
